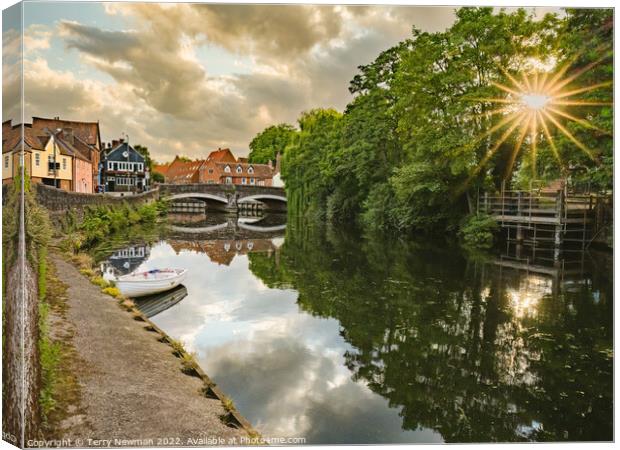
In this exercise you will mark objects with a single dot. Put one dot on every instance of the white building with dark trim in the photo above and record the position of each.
(124, 168)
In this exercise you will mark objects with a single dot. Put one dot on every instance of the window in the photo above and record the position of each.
(37, 159)
(210, 182)
(6, 162)
(125, 181)
(109, 165)
(210, 170)
(228, 180)
(251, 169)
(227, 169)
(239, 169)
(243, 181)
(64, 163)
(252, 180)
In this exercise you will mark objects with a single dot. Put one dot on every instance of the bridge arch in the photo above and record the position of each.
(262, 197)
(198, 195)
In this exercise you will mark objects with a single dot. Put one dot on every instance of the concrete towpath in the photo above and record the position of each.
(131, 384)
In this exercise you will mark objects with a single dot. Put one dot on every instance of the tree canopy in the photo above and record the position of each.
(269, 142)
(441, 116)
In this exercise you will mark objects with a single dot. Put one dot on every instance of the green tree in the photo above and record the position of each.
(144, 151)
(269, 142)
(586, 45)
(308, 165)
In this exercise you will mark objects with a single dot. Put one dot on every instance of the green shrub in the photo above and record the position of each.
(478, 231)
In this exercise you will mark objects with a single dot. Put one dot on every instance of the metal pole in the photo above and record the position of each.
(55, 176)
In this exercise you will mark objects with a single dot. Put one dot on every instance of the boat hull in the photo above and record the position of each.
(148, 287)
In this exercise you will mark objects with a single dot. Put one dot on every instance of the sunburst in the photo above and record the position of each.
(532, 105)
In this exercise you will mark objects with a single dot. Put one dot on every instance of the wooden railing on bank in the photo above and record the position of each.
(569, 216)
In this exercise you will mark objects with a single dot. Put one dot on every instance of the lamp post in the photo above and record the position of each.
(58, 130)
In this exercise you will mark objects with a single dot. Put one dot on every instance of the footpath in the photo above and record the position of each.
(132, 391)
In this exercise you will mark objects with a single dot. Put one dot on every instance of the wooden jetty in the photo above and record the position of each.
(552, 215)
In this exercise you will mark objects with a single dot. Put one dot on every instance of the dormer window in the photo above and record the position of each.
(251, 169)
(227, 169)
(239, 169)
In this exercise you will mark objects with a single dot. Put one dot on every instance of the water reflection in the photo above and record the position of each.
(125, 260)
(342, 338)
(151, 305)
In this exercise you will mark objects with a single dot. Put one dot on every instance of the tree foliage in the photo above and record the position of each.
(269, 142)
(421, 138)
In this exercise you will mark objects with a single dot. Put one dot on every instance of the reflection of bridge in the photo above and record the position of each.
(257, 225)
(226, 197)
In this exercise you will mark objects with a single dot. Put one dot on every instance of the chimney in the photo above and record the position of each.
(115, 142)
(67, 134)
(121, 140)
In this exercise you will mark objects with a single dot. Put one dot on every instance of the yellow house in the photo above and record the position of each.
(41, 150)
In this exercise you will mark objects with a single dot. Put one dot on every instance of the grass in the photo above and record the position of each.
(113, 291)
(88, 272)
(189, 366)
(177, 347)
(49, 357)
(100, 222)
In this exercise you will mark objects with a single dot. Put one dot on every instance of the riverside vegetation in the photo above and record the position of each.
(410, 151)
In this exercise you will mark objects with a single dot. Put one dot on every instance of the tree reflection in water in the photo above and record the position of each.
(474, 351)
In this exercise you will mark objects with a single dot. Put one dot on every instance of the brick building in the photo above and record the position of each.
(220, 167)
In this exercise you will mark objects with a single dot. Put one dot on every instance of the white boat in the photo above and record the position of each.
(150, 282)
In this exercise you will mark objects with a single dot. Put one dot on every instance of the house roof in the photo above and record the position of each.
(260, 170)
(183, 171)
(161, 168)
(37, 139)
(88, 132)
(222, 154)
(116, 153)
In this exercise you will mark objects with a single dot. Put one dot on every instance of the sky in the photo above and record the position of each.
(189, 78)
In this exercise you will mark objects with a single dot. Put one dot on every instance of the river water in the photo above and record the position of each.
(339, 337)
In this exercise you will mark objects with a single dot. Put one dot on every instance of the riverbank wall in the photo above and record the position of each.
(127, 346)
(60, 202)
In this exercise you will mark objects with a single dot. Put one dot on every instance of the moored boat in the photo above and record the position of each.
(150, 282)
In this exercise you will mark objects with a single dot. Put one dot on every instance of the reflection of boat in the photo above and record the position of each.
(152, 305)
(151, 282)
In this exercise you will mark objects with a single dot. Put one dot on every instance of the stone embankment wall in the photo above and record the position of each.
(59, 202)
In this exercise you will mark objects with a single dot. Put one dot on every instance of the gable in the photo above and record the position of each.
(116, 154)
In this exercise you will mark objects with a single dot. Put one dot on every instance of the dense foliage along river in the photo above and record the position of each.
(337, 337)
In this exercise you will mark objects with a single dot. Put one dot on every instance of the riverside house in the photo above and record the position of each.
(124, 168)
(52, 157)
(220, 167)
(86, 137)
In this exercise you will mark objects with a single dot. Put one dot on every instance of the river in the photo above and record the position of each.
(339, 337)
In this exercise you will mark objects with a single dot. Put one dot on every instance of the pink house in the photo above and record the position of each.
(82, 174)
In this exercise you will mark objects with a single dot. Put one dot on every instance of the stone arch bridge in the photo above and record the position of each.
(226, 197)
